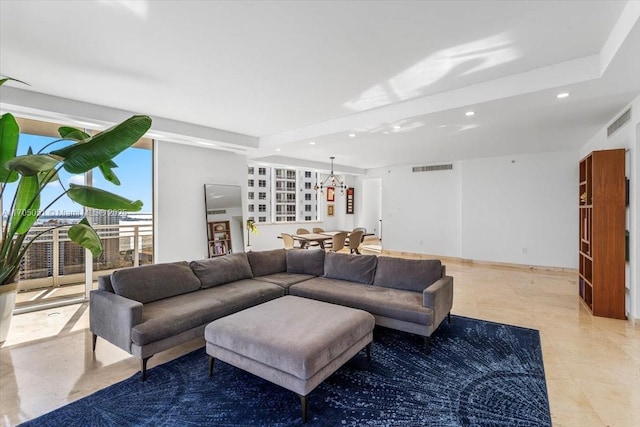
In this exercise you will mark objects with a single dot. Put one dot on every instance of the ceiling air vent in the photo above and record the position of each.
(432, 168)
(216, 212)
(620, 121)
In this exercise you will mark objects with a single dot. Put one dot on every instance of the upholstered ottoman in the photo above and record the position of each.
(293, 342)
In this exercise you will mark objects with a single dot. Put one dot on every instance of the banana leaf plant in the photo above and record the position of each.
(34, 171)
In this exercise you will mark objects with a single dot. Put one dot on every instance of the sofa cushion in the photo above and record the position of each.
(223, 269)
(390, 303)
(305, 261)
(285, 279)
(407, 274)
(267, 262)
(353, 268)
(170, 317)
(154, 282)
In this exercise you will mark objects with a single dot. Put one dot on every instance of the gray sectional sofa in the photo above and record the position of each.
(145, 310)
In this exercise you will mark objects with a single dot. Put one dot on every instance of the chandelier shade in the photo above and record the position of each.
(331, 181)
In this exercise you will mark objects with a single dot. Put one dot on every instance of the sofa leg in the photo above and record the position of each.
(427, 345)
(143, 368)
(449, 318)
(369, 352)
(94, 339)
(303, 405)
(211, 359)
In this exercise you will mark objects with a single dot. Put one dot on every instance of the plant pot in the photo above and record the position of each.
(7, 302)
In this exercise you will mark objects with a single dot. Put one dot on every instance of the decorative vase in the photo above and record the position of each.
(7, 302)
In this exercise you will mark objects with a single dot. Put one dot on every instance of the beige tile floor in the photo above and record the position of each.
(592, 364)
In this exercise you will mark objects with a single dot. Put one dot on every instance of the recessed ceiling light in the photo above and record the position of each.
(312, 143)
(562, 95)
(470, 113)
(396, 127)
(352, 135)
(277, 149)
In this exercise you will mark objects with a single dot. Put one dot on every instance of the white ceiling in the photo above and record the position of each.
(295, 72)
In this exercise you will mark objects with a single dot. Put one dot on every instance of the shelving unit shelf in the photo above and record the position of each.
(601, 247)
(219, 238)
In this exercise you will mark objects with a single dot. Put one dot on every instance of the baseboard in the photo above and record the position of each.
(466, 261)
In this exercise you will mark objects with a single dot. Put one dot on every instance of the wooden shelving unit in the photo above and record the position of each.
(602, 233)
(219, 238)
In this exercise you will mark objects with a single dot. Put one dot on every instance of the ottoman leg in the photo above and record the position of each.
(303, 404)
(211, 359)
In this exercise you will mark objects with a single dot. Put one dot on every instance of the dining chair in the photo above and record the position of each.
(337, 242)
(318, 230)
(364, 230)
(355, 238)
(302, 231)
(288, 240)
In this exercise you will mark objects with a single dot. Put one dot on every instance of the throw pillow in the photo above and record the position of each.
(354, 268)
(223, 269)
(305, 261)
(154, 282)
(267, 262)
(407, 274)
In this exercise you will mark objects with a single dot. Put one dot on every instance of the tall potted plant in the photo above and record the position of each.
(251, 228)
(32, 172)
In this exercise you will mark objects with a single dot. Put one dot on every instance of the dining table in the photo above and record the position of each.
(309, 238)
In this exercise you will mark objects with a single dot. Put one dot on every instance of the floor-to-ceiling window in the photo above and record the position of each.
(55, 270)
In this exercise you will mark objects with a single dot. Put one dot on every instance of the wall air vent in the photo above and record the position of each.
(433, 168)
(216, 211)
(620, 121)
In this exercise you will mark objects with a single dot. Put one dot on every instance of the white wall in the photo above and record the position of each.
(368, 204)
(180, 216)
(521, 209)
(627, 137)
(485, 209)
(420, 211)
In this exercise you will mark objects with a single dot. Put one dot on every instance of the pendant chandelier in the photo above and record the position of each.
(331, 181)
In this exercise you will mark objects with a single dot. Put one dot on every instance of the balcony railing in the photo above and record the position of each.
(54, 261)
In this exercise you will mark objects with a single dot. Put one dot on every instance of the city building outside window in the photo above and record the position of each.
(285, 193)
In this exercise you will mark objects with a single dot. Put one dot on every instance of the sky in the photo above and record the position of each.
(134, 172)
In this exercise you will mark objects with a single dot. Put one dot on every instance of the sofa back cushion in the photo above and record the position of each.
(223, 269)
(267, 262)
(407, 274)
(154, 282)
(305, 261)
(354, 268)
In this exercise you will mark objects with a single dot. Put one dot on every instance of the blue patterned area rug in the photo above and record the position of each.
(478, 374)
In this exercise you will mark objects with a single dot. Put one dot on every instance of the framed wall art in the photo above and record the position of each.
(331, 194)
(350, 200)
(330, 210)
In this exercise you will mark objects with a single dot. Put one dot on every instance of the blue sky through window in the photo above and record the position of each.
(134, 171)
